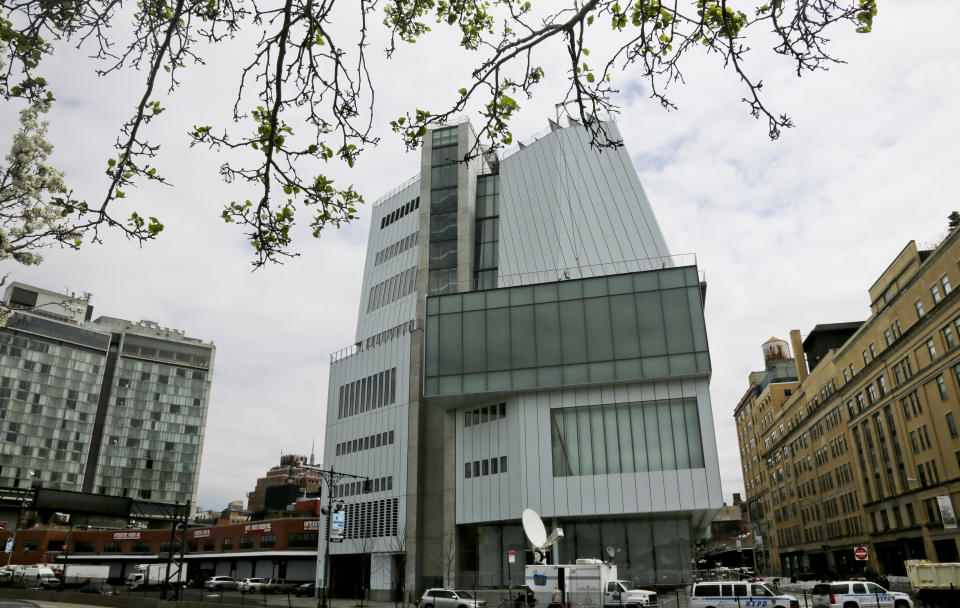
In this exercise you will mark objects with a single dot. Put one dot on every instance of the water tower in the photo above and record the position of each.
(774, 350)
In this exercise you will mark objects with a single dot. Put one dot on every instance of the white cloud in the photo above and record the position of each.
(790, 233)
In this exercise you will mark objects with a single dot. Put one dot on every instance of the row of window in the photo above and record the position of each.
(372, 392)
(179, 372)
(394, 332)
(487, 466)
(392, 289)
(485, 414)
(395, 249)
(365, 443)
(354, 488)
(263, 541)
(400, 212)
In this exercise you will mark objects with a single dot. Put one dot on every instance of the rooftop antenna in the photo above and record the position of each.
(537, 535)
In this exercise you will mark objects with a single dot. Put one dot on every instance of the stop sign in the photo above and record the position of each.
(860, 553)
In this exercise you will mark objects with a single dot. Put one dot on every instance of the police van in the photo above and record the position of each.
(725, 594)
(858, 594)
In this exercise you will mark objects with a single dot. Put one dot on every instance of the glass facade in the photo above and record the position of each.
(152, 435)
(107, 411)
(626, 438)
(48, 402)
(443, 212)
(622, 327)
(648, 551)
(488, 231)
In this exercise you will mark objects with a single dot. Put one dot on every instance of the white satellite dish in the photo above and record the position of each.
(533, 527)
(537, 535)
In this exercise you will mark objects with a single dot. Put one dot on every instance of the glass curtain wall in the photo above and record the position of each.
(443, 212)
(622, 327)
(626, 438)
(488, 231)
(647, 551)
(48, 403)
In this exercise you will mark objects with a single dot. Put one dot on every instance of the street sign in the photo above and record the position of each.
(338, 522)
(9, 546)
(739, 545)
(861, 554)
(512, 556)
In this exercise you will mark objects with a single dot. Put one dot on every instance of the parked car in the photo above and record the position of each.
(251, 585)
(278, 585)
(725, 594)
(449, 598)
(857, 594)
(218, 583)
(305, 590)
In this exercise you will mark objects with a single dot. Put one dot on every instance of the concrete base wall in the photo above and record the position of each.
(92, 599)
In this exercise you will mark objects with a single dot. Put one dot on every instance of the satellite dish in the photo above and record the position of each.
(533, 527)
(611, 552)
(537, 535)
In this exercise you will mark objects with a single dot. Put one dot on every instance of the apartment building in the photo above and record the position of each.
(525, 339)
(861, 448)
(107, 406)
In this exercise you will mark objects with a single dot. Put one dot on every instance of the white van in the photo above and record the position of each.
(726, 594)
(39, 576)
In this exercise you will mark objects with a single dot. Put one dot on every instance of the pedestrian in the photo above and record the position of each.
(520, 600)
(557, 600)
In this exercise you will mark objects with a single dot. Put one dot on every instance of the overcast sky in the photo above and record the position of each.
(789, 233)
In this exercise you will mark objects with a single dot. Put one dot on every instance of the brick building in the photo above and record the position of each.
(290, 471)
(861, 447)
(282, 548)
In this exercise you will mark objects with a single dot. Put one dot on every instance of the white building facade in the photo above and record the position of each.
(525, 339)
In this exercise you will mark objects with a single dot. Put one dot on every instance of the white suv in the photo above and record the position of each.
(448, 598)
(251, 585)
(216, 583)
(858, 594)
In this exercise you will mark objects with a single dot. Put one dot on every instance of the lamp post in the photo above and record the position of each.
(23, 504)
(330, 478)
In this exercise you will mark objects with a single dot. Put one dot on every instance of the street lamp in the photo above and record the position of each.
(330, 478)
(23, 504)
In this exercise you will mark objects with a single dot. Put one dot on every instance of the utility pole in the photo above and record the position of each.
(330, 479)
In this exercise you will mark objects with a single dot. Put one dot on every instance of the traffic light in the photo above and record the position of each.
(367, 486)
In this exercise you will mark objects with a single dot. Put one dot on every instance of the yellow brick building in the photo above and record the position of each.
(854, 441)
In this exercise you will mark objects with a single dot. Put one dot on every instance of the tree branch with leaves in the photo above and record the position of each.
(305, 97)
